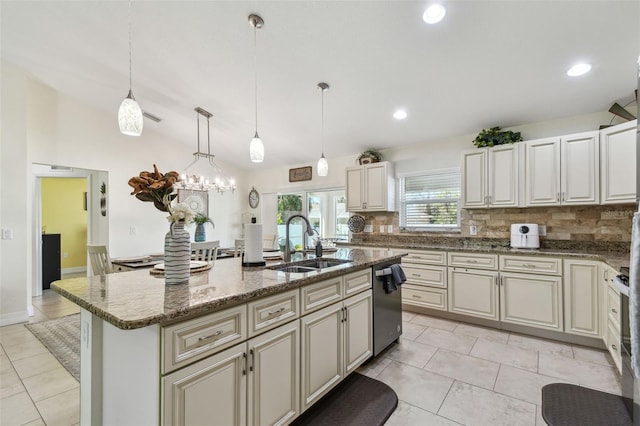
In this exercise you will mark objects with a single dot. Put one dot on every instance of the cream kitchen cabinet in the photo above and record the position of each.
(426, 284)
(562, 171)
(618, 164)
(333, 344)
(582, 298)
(371, 187)
(236, 386)
(491, 177)
(532, 300)
(474, 292)
(612, 317)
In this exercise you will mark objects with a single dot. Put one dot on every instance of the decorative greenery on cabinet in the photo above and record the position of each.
(494, 136)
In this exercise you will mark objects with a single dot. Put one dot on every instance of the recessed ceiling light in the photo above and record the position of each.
(434, 14)
(400, 114)
(579, 69)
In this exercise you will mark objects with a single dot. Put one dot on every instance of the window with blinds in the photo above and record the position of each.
(430, 200)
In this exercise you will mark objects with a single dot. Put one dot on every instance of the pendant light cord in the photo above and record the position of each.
(255, 63)
(322, 115)
(130, 45)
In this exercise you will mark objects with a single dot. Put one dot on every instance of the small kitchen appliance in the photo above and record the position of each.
(525, 235)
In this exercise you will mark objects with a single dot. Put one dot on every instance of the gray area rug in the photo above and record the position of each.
(62, 337)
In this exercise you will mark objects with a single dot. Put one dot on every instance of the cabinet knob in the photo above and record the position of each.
(614, 311)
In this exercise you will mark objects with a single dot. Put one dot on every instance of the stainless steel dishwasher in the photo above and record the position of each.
(387, 312)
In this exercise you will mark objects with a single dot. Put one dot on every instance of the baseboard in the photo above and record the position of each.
(30, 310)
(74, 270)
(14, 318)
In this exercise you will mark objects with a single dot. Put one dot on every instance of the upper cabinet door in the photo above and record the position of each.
(371, 187)
(618, 163)
(355, 188)
(580, 168)
(542, 172)
(504, 175)
(474, 181)
(376, 186)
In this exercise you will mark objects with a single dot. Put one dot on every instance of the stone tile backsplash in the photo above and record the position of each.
(595, 226)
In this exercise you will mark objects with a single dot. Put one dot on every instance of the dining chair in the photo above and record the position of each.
(206, 251)
(99, 258)
(239, 247)
(269, 241)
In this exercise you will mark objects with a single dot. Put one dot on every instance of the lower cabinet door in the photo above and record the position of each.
(358, 332)
(273, 377)
(211, 390)
(582, 298)
(473, 292)
(322, 356)
(533, 300)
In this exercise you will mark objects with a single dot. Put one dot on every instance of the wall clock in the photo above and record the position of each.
(254, 198)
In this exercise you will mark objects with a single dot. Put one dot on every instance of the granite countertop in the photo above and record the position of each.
(615, 259)
(136, 299)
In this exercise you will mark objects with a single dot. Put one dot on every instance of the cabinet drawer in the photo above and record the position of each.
(613, 345)
(474, 260)
(426, 257)
(356, 282)
(319, 295)
(613, 308)
(195, 339)
(435, 276)
(538, 265)
(433, 298)
(270, 312)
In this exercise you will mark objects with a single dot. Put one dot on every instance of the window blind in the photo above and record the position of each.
(430, 200)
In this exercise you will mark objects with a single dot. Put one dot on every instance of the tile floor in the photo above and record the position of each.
(451, 373)
(444, 372)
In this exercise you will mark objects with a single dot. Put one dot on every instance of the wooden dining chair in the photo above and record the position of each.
(269, 241)
(99, 259)
(206, 251)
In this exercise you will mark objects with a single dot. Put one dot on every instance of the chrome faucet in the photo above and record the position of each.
(288, 250)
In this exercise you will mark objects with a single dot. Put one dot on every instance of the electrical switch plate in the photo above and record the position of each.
(473, 230)
(368, 228)
(390, 229)
(65, 255)
(132, 230)
(382, 229)
(7, 234)
(542, 230)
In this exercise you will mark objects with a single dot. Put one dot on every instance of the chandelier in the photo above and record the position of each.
(218, 180)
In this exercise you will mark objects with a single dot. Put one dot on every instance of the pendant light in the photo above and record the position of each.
(323, 166)
(256, 147)
(129, 113)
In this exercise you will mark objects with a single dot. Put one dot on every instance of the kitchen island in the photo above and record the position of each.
(233, 346)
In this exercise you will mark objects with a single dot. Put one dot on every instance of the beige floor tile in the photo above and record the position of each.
(447, 340)
(416, 386)
(62, 409)
(11, 328)
(10, 383)
(17, 336)
(539, 420)
(596, 356)
(484, 332)
(373, 368)
(434, 322)
(38, 316)
(62, 312)
(579, 372)
(541, 345)
(411, 331)
(5, 363)
(46, 385)
(38, 422)
(25, 349)
(37, 364)
(412, 353)
(407, 316)
(523, 384)
(17, 409)
(506, 354)
(471, 405)
(409, 415)
(475, 371)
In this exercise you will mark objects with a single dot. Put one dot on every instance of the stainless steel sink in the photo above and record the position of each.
(323, 263)
(294, 268)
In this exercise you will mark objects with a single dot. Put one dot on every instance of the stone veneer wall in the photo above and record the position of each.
(595, 226)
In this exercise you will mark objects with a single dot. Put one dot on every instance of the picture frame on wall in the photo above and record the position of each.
(198, 201)
(300, 174)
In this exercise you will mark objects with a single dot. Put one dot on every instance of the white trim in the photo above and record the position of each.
(73, 270)
(14, 318)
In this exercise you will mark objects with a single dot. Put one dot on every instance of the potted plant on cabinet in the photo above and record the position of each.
(201, 220)
(494, 136)
(369, 156)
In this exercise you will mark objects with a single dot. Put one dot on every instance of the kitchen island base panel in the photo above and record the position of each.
(515, 328)
(110, 358)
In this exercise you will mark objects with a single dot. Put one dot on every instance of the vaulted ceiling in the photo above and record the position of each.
(487, 63)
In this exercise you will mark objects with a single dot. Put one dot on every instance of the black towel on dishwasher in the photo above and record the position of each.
(395, 279)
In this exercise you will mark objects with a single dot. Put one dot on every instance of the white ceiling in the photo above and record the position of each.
(487, 64)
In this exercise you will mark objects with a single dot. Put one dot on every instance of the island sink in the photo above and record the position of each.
(309, 265)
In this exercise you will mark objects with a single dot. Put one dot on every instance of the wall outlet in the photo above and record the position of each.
(7, 234)
(473, 230)
(390, 229)
(368, 228)
(132, 230)
(65, 255)
(542, 230)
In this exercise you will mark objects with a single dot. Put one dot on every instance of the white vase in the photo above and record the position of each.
(177, 254)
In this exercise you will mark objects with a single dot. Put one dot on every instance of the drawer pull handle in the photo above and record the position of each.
(216, 334)
(416, 297)
(527, 265)
(272, 313)
(415, 275)
(472, 261)
(614, 310)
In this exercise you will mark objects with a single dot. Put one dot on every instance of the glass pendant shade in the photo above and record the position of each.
(130, 116)
(323, 166)
(256, 149)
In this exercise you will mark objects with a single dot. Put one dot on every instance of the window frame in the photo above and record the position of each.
(435, 227)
